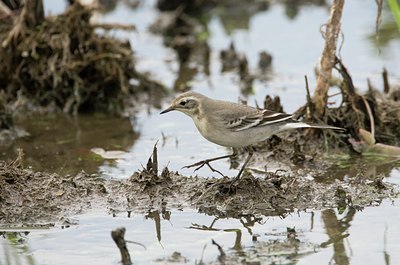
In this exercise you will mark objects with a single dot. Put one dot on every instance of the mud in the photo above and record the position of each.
(29, 197)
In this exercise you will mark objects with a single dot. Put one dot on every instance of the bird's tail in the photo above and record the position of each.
(295, 125)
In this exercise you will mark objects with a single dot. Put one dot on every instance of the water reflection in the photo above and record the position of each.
(155, 216)
(238, 232)
(61, 144)
(293, 7)
(359, 168)
(388, 31)
(337, 231)
(273, 247)
(14, 244)
(319, 237)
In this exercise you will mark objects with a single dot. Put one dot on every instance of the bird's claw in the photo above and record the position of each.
(201, 164)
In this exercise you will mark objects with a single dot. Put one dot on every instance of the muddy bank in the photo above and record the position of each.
(33, 197)
(68, 63)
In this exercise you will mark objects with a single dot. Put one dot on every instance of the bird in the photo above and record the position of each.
(234, 125)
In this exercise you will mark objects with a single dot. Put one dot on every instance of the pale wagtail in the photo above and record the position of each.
(234, 125)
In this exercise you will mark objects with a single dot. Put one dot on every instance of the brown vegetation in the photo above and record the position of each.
(63, 63)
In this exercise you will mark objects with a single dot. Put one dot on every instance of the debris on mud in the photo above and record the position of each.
(63, 63)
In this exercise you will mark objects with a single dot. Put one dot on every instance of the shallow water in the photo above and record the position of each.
(61, 144)
(362, 236)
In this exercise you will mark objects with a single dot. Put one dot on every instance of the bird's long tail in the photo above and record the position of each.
(295, 125)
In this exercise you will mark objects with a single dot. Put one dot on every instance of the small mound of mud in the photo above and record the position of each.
(277, 195)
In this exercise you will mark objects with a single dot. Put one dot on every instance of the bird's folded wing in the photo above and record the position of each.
(257, 119)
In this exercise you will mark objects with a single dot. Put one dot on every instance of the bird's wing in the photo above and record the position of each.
(257, 118)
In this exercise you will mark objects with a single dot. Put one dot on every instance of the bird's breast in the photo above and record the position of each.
(202, 126)
(219, 135)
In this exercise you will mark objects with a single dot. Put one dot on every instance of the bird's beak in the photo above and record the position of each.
(171, 108)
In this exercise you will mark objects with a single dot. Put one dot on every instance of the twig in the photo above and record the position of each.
(111, 26)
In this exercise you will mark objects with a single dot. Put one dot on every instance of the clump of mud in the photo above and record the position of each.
(64, 63)
(28, 196)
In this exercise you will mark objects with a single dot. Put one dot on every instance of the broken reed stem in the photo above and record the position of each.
(386, 86)
(328, 57)
(118, 237)
(310, 108)
(155, 161)
(307, 89)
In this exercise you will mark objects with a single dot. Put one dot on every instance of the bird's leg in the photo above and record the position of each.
(202, 163)
(251, 152)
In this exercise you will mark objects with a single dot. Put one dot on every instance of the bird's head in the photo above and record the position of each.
(187, 103)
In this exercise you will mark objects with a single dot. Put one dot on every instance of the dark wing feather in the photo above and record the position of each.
(258, 119)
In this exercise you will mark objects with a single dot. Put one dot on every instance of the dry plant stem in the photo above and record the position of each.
(114, 26)
(5, 10)
(118, 237)
(32, 15)
(328, 57)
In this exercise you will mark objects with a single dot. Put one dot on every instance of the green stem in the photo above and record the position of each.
(394, 6)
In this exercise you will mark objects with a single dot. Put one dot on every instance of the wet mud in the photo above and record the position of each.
(29, 197)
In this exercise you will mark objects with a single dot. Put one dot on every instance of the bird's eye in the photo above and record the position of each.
(183, 103)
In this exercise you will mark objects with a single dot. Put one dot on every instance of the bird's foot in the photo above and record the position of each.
(234, 181)
(201, 164)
